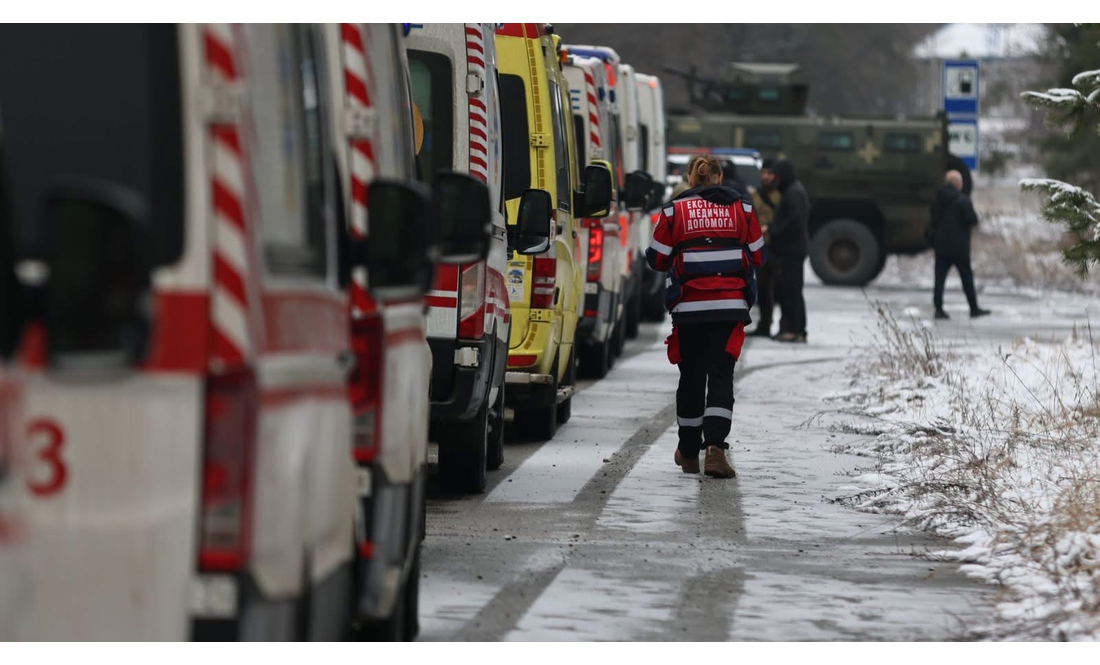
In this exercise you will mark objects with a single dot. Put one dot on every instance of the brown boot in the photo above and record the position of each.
(688, 464)
(716, 464)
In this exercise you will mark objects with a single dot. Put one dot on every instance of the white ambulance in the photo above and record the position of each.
(601, 331)
(623, 96)
(654, 161)
(187, 392)
(374, 115)
(453, 72)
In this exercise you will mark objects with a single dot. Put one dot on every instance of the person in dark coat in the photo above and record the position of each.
(953, 220)
(765, 200)
(790, 241)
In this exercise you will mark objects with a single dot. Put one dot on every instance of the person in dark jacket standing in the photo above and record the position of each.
(765, 200)
(708, 240)
(790, 241)
(953, 220)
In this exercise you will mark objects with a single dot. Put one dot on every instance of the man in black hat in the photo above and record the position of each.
(790, 243)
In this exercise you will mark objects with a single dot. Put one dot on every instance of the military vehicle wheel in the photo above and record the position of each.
(957, 164)
(845, 252)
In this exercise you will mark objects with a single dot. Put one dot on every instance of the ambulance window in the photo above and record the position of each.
(284, 108)
(561, 148)
(516, 135)
(581, 142)
(433, 96)
(100, 102)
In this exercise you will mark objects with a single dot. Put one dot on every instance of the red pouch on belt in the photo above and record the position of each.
(673, 343)
(736, 341)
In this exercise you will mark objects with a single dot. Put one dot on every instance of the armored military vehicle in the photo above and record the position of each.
(871, 181)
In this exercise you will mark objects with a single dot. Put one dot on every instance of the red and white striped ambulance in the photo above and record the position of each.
(453, 71)
(601, 330)
(14, 579)
(186, 399)
(390, 384)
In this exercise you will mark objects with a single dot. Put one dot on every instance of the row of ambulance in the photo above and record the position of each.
(247, 273)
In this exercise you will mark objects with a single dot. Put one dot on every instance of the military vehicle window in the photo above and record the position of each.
(285, 108)
(433, 98)
(578, 131)
(903, 143)
(517, 136)
(835, 141)
(769, 94)
(763, 140)
(94, 101)
(643, 131)
(561, 148)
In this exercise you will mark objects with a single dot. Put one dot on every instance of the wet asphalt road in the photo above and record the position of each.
(597, 535)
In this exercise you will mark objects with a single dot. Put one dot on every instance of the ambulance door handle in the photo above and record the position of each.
(345, 361)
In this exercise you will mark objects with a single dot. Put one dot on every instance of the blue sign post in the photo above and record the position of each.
(961, 92)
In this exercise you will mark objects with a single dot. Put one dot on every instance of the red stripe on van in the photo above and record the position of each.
(289, 396)
(351, 36)
(227, 203)
(305, 321)
(229, 279)
(219, 56)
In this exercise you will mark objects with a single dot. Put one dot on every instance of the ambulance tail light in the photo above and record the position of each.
(366, 385)
(471, 315)
(595, 253)
(228, 469)
(542, 288)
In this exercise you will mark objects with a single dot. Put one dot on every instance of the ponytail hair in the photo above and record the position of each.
(704, 170)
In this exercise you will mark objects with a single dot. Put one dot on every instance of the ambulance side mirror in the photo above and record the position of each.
(594, 199)
(96, 299)
(637, 191)
(465, 218)
(656, 195)
(397, 250)
(532, 234)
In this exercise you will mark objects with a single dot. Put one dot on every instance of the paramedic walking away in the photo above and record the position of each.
(707, 239)
(953, 219)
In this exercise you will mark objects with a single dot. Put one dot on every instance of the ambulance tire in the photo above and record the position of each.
(462, 454)
(618, 338)
(596, 359)
(391, 629)
(495, 457)
(412, 600)
(565, 409)
(633, 314)
(538, 423)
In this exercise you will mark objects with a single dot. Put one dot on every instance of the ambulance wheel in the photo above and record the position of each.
(463, 449)
(596, 359)
(633, 314)
(495, 456)
(538, 423)
(618, 338)
(412, 600)
(565, 409)
(391, 629)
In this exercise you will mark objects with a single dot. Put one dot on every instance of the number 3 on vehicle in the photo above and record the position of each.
(47, 439)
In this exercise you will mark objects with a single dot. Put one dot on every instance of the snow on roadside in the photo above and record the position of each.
(996, 448)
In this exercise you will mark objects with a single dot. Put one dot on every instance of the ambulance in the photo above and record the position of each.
(623, 95)
(14, 580)
(654, 161)
(453, 70)
(542, 181)
(374, 114)
(187, 379)
(601, 332)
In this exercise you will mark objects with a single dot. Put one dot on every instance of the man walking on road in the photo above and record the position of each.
(953, 220)
(764, 201)
(707, 239)
(790, 240)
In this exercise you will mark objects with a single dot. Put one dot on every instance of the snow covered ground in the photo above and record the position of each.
(992, 440)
